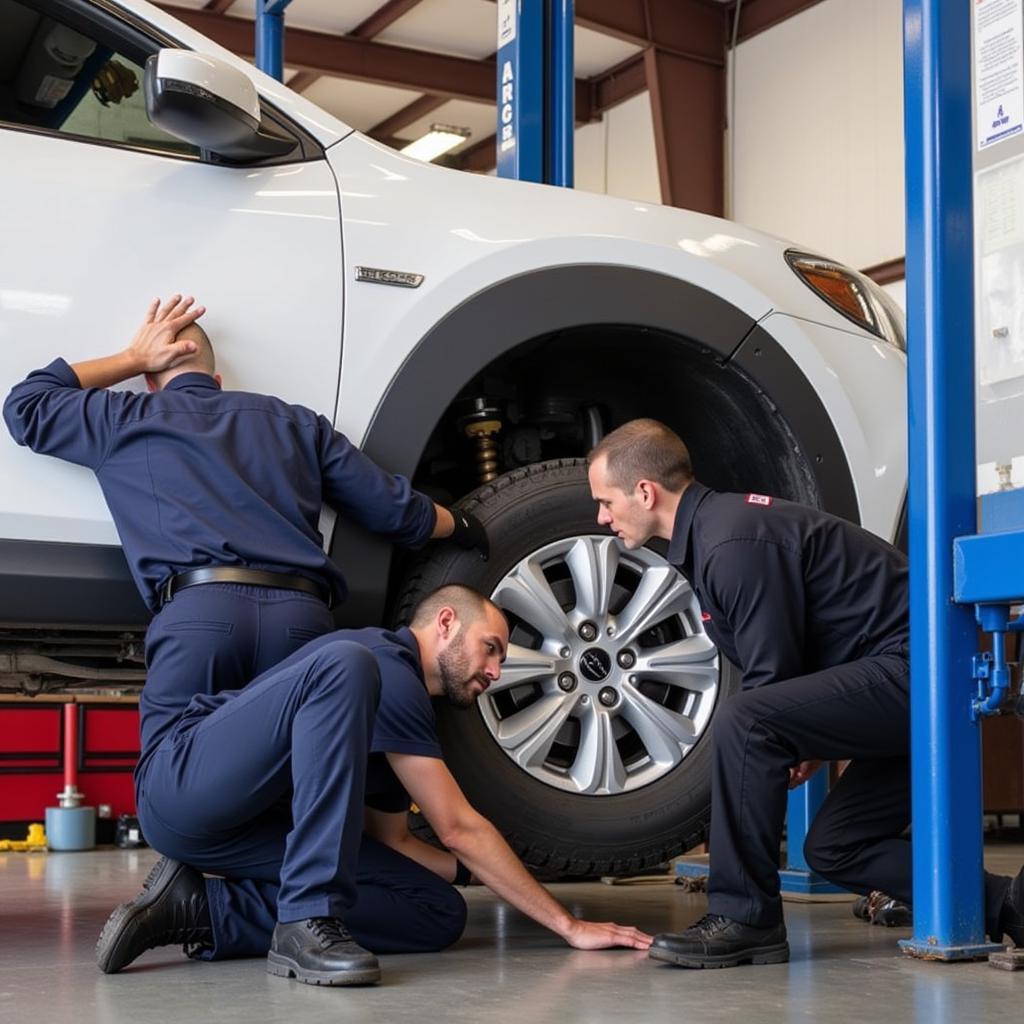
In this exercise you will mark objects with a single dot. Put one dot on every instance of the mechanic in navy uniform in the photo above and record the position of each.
(344, 731)
(814, 611)
(216, 496)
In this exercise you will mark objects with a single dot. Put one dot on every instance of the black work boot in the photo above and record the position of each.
(717, 941)
(320, 951)
(170, 910)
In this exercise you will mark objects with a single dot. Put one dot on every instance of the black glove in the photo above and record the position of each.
(469, 533)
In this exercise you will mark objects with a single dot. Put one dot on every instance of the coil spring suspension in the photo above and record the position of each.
(483, 436)
(482, 427)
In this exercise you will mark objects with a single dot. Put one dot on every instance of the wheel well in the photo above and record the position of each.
(555, 396)
(570, 352)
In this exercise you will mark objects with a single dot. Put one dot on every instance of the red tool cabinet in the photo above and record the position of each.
(32, 755)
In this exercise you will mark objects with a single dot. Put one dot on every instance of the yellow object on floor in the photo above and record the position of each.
(35, 840)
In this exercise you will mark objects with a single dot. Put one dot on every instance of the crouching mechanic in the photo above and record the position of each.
(295, 790)
(814, 611)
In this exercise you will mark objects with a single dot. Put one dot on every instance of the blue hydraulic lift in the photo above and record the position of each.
(951, 686)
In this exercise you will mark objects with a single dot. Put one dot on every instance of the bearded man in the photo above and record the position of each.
(295, 791)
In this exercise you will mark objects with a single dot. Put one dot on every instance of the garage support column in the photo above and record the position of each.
(270, 37)
(688, 109)
(945, 742)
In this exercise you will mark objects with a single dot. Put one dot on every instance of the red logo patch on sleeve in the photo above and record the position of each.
(759, 499)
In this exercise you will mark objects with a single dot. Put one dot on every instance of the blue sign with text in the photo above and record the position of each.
(520, 59)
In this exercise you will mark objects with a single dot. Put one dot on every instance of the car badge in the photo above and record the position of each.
(398, 278)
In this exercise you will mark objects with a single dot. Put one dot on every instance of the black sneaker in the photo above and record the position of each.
(320, 951)
(170, 910)
(717, 941)
(878, 908)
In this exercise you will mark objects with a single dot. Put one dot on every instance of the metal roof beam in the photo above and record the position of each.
(348, 57)
(382, 18)
(411, 112)
(376, 23)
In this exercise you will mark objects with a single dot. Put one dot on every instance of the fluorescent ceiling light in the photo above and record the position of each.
(440, 139)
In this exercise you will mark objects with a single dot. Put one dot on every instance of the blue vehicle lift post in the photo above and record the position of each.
(945, 734)
(270, 37)
(536, 91)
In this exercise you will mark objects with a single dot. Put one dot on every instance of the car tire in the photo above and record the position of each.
(558, 831)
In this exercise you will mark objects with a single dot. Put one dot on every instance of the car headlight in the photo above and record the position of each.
(853, 295)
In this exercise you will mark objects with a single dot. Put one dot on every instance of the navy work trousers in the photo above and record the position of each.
(267, 782)
(400, 907)
(219, 636)
(857, 711)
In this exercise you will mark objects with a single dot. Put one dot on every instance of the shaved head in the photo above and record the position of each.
(469, 605)
(202, 359)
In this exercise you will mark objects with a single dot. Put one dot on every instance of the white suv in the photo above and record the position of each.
(477, 335)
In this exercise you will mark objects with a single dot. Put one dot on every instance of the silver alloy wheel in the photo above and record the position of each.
(610, 679)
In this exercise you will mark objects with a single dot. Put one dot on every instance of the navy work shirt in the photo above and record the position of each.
(786, 589)
(405, 722)
(195, 476)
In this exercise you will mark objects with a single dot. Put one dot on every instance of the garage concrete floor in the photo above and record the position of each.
(506, 968)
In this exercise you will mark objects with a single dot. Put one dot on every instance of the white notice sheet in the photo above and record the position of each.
(998, 64)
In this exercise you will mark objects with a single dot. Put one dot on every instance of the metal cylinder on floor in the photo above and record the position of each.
(70, 826)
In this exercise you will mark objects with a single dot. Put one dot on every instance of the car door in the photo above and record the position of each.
(102, 212)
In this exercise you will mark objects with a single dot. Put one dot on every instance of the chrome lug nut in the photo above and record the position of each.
(567, 682)
(584, 699)
(564, 652)
(608, 697)
(588, 631)
(610, 631)
(633, 680)
(626, 658)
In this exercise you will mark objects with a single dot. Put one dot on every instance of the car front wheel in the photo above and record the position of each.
(591, 752)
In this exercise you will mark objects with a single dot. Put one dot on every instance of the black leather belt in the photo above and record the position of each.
(239, 574)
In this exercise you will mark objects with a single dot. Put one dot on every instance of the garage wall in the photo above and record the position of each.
(616, 155)
(818, 130)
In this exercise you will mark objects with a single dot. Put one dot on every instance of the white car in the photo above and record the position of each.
(478, 335)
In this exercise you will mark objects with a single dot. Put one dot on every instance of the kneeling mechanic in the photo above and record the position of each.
(295, 790)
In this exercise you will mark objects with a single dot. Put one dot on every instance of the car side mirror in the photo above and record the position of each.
(210, 104)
